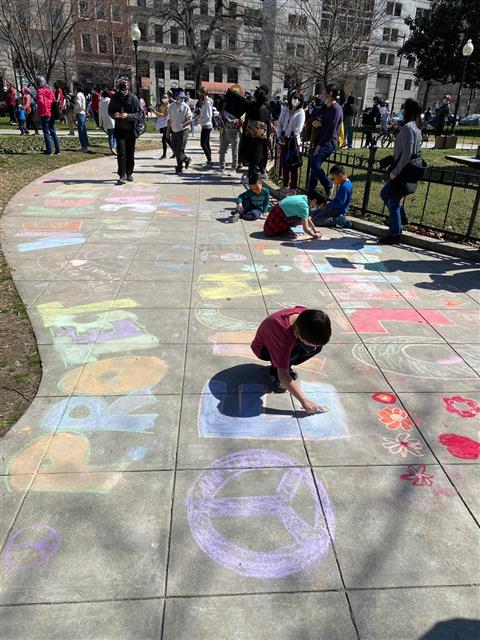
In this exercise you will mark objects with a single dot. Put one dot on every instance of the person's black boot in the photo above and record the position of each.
(391, 239)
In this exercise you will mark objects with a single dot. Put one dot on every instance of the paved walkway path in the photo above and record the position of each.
(153, 490)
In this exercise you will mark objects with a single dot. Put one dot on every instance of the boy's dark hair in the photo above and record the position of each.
(314, 326)
(332, 89)
(338, 170)
(318, 197)
(254, 178)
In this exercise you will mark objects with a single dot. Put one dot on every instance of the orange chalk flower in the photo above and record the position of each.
(395, 418)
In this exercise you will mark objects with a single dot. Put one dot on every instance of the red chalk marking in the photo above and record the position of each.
(460, 447)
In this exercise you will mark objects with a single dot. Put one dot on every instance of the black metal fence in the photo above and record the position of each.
(447, 200)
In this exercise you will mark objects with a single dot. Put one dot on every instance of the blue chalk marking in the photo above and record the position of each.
(137, 453)
(48, 243)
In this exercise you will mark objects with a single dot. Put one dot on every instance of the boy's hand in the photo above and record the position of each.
(310, 407)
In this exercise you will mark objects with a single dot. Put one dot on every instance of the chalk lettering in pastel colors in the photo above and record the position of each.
(232, 257)
(57, 202)
(130, 208)
(209, 501)
(97, 414)
(38, 210)
(48, 234)
(64, 461)
(353, 291)
(360, 277)
(48, 243)
(69, 193)
(130, 199)
(243, 412)
(64, 225)
(31, 547)
(304, 264)
(373, 320)
(235, 285)
(214, 319)
(55, 314)
(409, 357)
(114, 376)
(271, 252)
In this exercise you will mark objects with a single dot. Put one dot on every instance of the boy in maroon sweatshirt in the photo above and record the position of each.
(288, 337)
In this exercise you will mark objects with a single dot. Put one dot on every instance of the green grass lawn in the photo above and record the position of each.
(5, 124)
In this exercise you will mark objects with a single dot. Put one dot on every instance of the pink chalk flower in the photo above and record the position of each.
(402, 445)
(463, 407)
(417, 476)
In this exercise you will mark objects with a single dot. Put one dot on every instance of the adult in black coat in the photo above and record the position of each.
(125, 109)
(256, 132)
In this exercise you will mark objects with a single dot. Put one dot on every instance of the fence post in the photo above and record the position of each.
(473, 217)
(368, 180)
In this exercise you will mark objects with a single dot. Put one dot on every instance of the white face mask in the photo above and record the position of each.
(295, 102)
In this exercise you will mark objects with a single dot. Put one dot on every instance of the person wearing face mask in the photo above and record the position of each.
(161, 123)
(180, 116)
(289, 128)
(125, 109)
(442, 115)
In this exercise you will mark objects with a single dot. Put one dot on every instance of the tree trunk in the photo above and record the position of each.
(425, 96)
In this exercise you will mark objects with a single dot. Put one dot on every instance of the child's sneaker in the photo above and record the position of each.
(343, 222)
(235, 216)
(293, 374)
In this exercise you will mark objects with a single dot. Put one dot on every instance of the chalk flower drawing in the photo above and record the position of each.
(417, 476)
(402, 445)
(384, 397)
(463, 407)
(395, 418)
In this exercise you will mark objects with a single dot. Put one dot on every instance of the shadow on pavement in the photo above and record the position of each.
(454, 629)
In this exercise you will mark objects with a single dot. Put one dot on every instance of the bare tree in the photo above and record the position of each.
(200, 29)
(331, 41)
(37, 32)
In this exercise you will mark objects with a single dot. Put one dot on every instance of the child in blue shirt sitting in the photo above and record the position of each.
(252, 204)
(335, 211)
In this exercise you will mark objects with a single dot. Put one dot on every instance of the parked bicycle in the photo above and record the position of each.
(388, 138)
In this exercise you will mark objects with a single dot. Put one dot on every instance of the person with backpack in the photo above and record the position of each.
(30, 106)
(289, 128)
(125, 109)
(46, 107)
(406, 169)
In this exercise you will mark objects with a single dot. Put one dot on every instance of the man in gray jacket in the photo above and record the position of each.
(180, 117)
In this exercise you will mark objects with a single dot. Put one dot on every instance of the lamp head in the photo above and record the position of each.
(135, 32)
(468, 48)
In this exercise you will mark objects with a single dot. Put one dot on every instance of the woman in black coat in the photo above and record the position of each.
(256, 132)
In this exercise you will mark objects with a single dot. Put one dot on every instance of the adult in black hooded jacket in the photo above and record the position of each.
(125, 109)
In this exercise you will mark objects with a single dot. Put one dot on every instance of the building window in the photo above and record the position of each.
(232, 41)
(232, 74)
(217, 73)
(174, 71)
(117, 45)
(159, 69)
(86, 42)
(204, 7)
(302, 21)
(387, 59)
(204, 38)
(411, 63)
(100, 10)
(292, 19)
(256, 73)
(390, 35)
(218, 41)
(174, 36)
(394, 9)
(382, 86)
(290, 49)
(408, 85)
(142, 3)
(205, 73)
(83, 8)
(143, 31)
(257, 46)
(253, 17)
(233, 9)
(159, 35)
(116, 13)
(188, 72)
(300, 50)
(102, 44)
(422, 14)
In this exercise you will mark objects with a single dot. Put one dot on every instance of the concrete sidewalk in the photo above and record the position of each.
(154, 490)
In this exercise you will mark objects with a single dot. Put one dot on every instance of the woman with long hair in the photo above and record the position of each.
(402, 179)
(256, 132)
(289, 128)
(161, 123)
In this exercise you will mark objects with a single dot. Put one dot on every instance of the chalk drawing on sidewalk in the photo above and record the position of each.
(228, 286)
(209, 501)
(31, 547)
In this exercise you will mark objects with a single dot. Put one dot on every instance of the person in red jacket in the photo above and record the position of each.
(96, 106)
(45, 99)
(10, 99)
(30, 110)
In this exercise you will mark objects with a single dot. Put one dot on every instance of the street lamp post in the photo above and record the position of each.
(135, 35)
(466, 52)
(392, 108)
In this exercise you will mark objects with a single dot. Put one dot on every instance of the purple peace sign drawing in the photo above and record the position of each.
(31, 547)
(308, 541)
